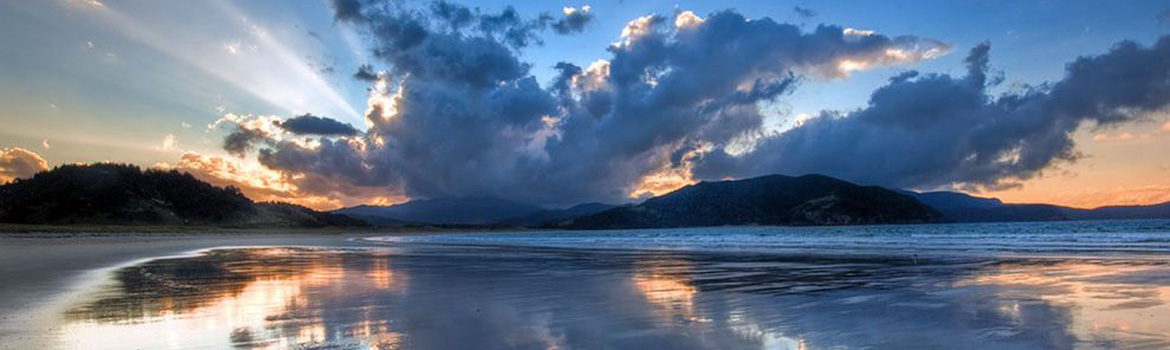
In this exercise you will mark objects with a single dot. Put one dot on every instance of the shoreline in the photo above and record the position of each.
(122, 230)
(42, 271)
(96, 230)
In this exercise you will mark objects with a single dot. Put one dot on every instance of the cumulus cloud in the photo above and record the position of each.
(937, 130)
(19, 163)
(574, 21)
(459, 114)
(309, 124)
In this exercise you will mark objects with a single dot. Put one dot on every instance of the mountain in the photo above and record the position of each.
(555, 217)
(116, 194)
(961, 207)
(767, 200)
(953, 200)
(445, 211)
(1156, 211)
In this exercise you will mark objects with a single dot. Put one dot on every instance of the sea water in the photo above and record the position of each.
(1066, 237)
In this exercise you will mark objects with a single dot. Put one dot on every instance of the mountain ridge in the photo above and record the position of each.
(961, 207)
(766, 200)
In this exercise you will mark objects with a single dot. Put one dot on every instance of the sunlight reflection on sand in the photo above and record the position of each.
(512, 298)
(274, 309)
(1108, 302)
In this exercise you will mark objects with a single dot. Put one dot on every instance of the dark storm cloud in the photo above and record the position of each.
(804, 12)
(463, 116)
(346, 10)
(566, 72)
(366, 73)
(240, 141)
(309, 124)
(457, 16)
(935, 130)
(574, 21)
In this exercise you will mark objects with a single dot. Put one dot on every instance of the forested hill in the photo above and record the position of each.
(118, 194)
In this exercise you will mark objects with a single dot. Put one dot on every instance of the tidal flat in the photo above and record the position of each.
(657, 289)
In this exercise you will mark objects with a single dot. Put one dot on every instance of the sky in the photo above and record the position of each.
(336, 103)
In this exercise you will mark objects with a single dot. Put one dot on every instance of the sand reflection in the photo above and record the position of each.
(513, 298)
(249, 298)
(666, 286)
(1109, 304)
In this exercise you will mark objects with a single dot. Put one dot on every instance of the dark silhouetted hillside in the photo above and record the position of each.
(117, 194)
(767, 200)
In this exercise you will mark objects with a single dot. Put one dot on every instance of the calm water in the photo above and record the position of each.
(996, 286)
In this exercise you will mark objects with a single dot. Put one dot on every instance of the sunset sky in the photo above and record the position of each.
(333, 103)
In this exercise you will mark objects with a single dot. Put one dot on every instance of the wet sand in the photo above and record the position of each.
(40, 269)
(334, 293)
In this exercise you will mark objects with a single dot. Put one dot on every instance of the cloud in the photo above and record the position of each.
(1164, 17)
(1125, 136)
(241, 141)
(245, 132)
(232, 47)
(574, 21)
(90, 3)
(19, 163)
(262, 184)
(459, 114)
(309, 124)
(45, 144)
(346, 10)
(1095, 197)
(169, 143)
(804, 12)
(936, 130)
(687, 19)
(1159, 131)
(366, 73)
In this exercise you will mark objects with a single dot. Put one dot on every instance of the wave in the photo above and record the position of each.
(1140, 237)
